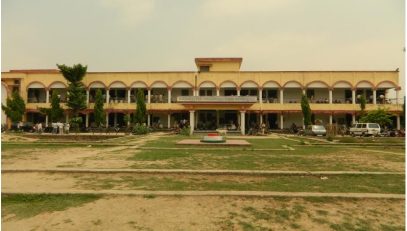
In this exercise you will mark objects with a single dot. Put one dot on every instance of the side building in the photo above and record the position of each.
(217, 95)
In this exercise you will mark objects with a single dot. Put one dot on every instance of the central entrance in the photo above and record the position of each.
(209, 120)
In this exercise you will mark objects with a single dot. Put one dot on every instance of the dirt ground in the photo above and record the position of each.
(218, 213)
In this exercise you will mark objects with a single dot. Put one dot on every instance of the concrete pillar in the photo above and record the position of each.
(87, 120)
(281, 96)
(149, 96)
(261, 118)
(191, 122)
(148, 120)
(107, 119)
(46, 121)
(169, 95)
(398, 122)
(261, 96)
(196, 119)
(169, 120)
(353, 96)
(330, 96)
(66, 118)
(129, 116)
(47, 95)
(107, 95)
(238, 92)
(242, 122)
(374, 96)
(217, 92)
(128, 95)
(281, 121)
(87, 97)
(353, 118)
(397, 97)
(330, 119)
(304, 92)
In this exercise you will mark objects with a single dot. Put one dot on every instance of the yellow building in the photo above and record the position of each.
(217, 95)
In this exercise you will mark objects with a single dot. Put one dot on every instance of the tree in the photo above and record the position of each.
(380, 116)
(100, 117)
(76, 100)
(140, 115)
(55, 113)
(362, 101)
(14, 108)
(306, 110)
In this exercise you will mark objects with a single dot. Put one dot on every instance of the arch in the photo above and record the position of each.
(182, 84)
(293, 84)
(228, 84)
(317, 84)
(117, 84)
(249, 84)
(4, 84)
(386, 84)
(207, 84)
(36, 84)
(342, 84)
(365, 84)
(271, 84)
(57, 84)
(96, 84)
(139, 84)
(159, 84)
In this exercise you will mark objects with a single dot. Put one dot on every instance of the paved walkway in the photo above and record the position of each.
(192, 171)
(214, 193)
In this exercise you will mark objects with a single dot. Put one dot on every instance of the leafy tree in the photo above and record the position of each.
(306, 110)
(14, 108)
(76, 100)
(100, 116)
(380, 116)
(55, 113)
(362, 102)
(140, 115)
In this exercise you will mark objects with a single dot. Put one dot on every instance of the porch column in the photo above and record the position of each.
(169, 120)
(128, 95)
(107, 119)
(261, 118)
(281, 121)
(238, 92)
(66, 118)
(87, 96)
(169, 95)
(107, 95)
(398, 122)
(148, 120)
(353, 96)
(281, 96)
(397, 96)
(46, 95)
(217, 92)
(261, 96)
(46, 121)
(191, 122)
(304, 91)
(353, 118)
(374, 96)
(129, 116)
(197, 119)
(242, 122)
(330, 96)
(149, 96)
(87, 120)
(330, 119)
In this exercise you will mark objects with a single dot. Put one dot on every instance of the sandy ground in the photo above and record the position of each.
(216, 213)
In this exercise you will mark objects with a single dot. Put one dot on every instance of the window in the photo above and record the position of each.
(373, 126)
(17, 82)
(310, 93)
(204, 68)
(184, 92)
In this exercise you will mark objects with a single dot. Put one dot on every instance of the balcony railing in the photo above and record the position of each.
(217, 99)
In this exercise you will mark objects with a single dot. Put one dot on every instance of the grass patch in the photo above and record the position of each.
(28, 205)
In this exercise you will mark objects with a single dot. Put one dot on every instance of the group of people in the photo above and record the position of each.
(60, 128)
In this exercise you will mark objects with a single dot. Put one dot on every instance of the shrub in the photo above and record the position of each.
(330, 137)
(140, 129)
(185, 131)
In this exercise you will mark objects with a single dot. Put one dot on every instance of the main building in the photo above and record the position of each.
(217, 95)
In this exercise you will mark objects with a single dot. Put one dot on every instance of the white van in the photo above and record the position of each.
(365, 129)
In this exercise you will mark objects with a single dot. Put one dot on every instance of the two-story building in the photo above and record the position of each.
(217, 95)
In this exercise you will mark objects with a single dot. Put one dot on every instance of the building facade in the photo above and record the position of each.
(217, 95)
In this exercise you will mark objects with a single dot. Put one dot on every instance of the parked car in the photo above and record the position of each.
(365, 129)
(315, 130)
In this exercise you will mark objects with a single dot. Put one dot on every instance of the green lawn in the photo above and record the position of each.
(338, 183)
(28, 205)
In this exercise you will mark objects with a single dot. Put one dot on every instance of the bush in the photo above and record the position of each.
(185, 131)
(140, 129)
(330, 137)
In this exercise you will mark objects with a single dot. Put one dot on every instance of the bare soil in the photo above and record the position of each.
(218, 213)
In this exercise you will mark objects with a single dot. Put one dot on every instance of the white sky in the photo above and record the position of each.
(157, 35)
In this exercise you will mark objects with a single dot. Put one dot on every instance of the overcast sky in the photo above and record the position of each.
(157, 35)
